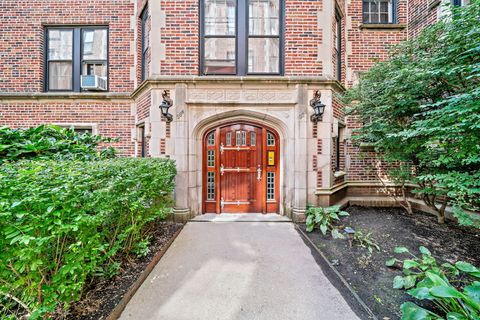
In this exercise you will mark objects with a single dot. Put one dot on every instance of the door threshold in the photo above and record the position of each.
(240, 217)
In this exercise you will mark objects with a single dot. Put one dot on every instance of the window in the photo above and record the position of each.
(211, 158)
(241, 37)
(253, 139)
(270, 140)
(338, 46)
(378, 11)
(80, 128)
(229, 138)
(241, 138)
(270, 186)
(145, 42)
(73, 52)
(211, 139)
(338, 148)
(210, 185)
(141, 138)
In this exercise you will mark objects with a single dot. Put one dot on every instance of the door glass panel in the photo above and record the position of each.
(220, 17)
(270, 186)
(264, 17)
(60, 44)
(229, 138)
(211, 158)
(270, 140)
(253, 139)
(211, 186)
(241, 138)
(220, 56)
(60, 76)
(263, 55)
(211, 139)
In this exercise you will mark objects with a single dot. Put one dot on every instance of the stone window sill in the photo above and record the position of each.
(383, 26)
(339, 174)
(366, 146)
(434, 4)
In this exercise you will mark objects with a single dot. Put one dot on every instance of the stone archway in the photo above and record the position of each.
(201, 127)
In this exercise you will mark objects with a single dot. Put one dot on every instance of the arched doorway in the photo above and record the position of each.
(241, 164)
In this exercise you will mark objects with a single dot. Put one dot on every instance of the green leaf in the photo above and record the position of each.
(391, 262)
(425, 251)
(456, 316)
(408, 264)
(445, 292)
(323, 229)
(401, 250)
(421, 293)
(473, 292)
(410, 311)
(468, 268)
(398, 282)
(409, 281)
(337, 235)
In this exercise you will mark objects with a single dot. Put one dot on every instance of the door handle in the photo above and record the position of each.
(259, 173)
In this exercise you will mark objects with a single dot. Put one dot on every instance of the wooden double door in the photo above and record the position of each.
(241, 169)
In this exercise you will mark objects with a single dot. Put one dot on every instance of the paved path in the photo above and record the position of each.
(238, 270)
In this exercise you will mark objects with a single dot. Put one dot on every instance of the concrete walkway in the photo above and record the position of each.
(232, 270)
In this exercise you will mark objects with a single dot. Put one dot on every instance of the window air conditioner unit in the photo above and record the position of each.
(91, 82)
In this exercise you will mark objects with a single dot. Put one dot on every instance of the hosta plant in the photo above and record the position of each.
(425, 279)
(324, 219)
(365, 240)
(456, 304)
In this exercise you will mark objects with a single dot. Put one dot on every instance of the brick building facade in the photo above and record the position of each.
(223, 63)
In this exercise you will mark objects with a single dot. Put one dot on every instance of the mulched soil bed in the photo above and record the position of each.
(368, 275)
(103, 295)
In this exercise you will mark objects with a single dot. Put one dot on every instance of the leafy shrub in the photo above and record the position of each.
(62, 223)
(425, 279)
(51, 142)
(324, 219)
(421, 108)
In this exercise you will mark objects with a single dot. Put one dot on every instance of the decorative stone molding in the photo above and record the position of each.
(248, 96)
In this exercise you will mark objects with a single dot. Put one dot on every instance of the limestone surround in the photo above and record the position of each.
(281, 105)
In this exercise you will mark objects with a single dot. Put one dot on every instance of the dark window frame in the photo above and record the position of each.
(77, 58)
(144, 18)
(394, 4)
(143, 145)
(338, 46)
(241, 40)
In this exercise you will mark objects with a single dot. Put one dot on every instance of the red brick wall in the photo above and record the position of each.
(302, 37)
(420, 15)
(22, 38)
(371, 45)
(180, 37)
(143, 106)
(113, 118)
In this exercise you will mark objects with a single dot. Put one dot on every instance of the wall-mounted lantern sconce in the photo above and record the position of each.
(317, 106)
(165, 105)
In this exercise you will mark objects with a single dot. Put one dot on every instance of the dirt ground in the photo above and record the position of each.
(368, 275)
(103, 295)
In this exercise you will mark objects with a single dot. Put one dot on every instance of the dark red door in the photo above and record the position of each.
(241, 170)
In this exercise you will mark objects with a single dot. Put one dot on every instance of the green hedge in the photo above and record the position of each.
(63, 223)
(52, 142)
